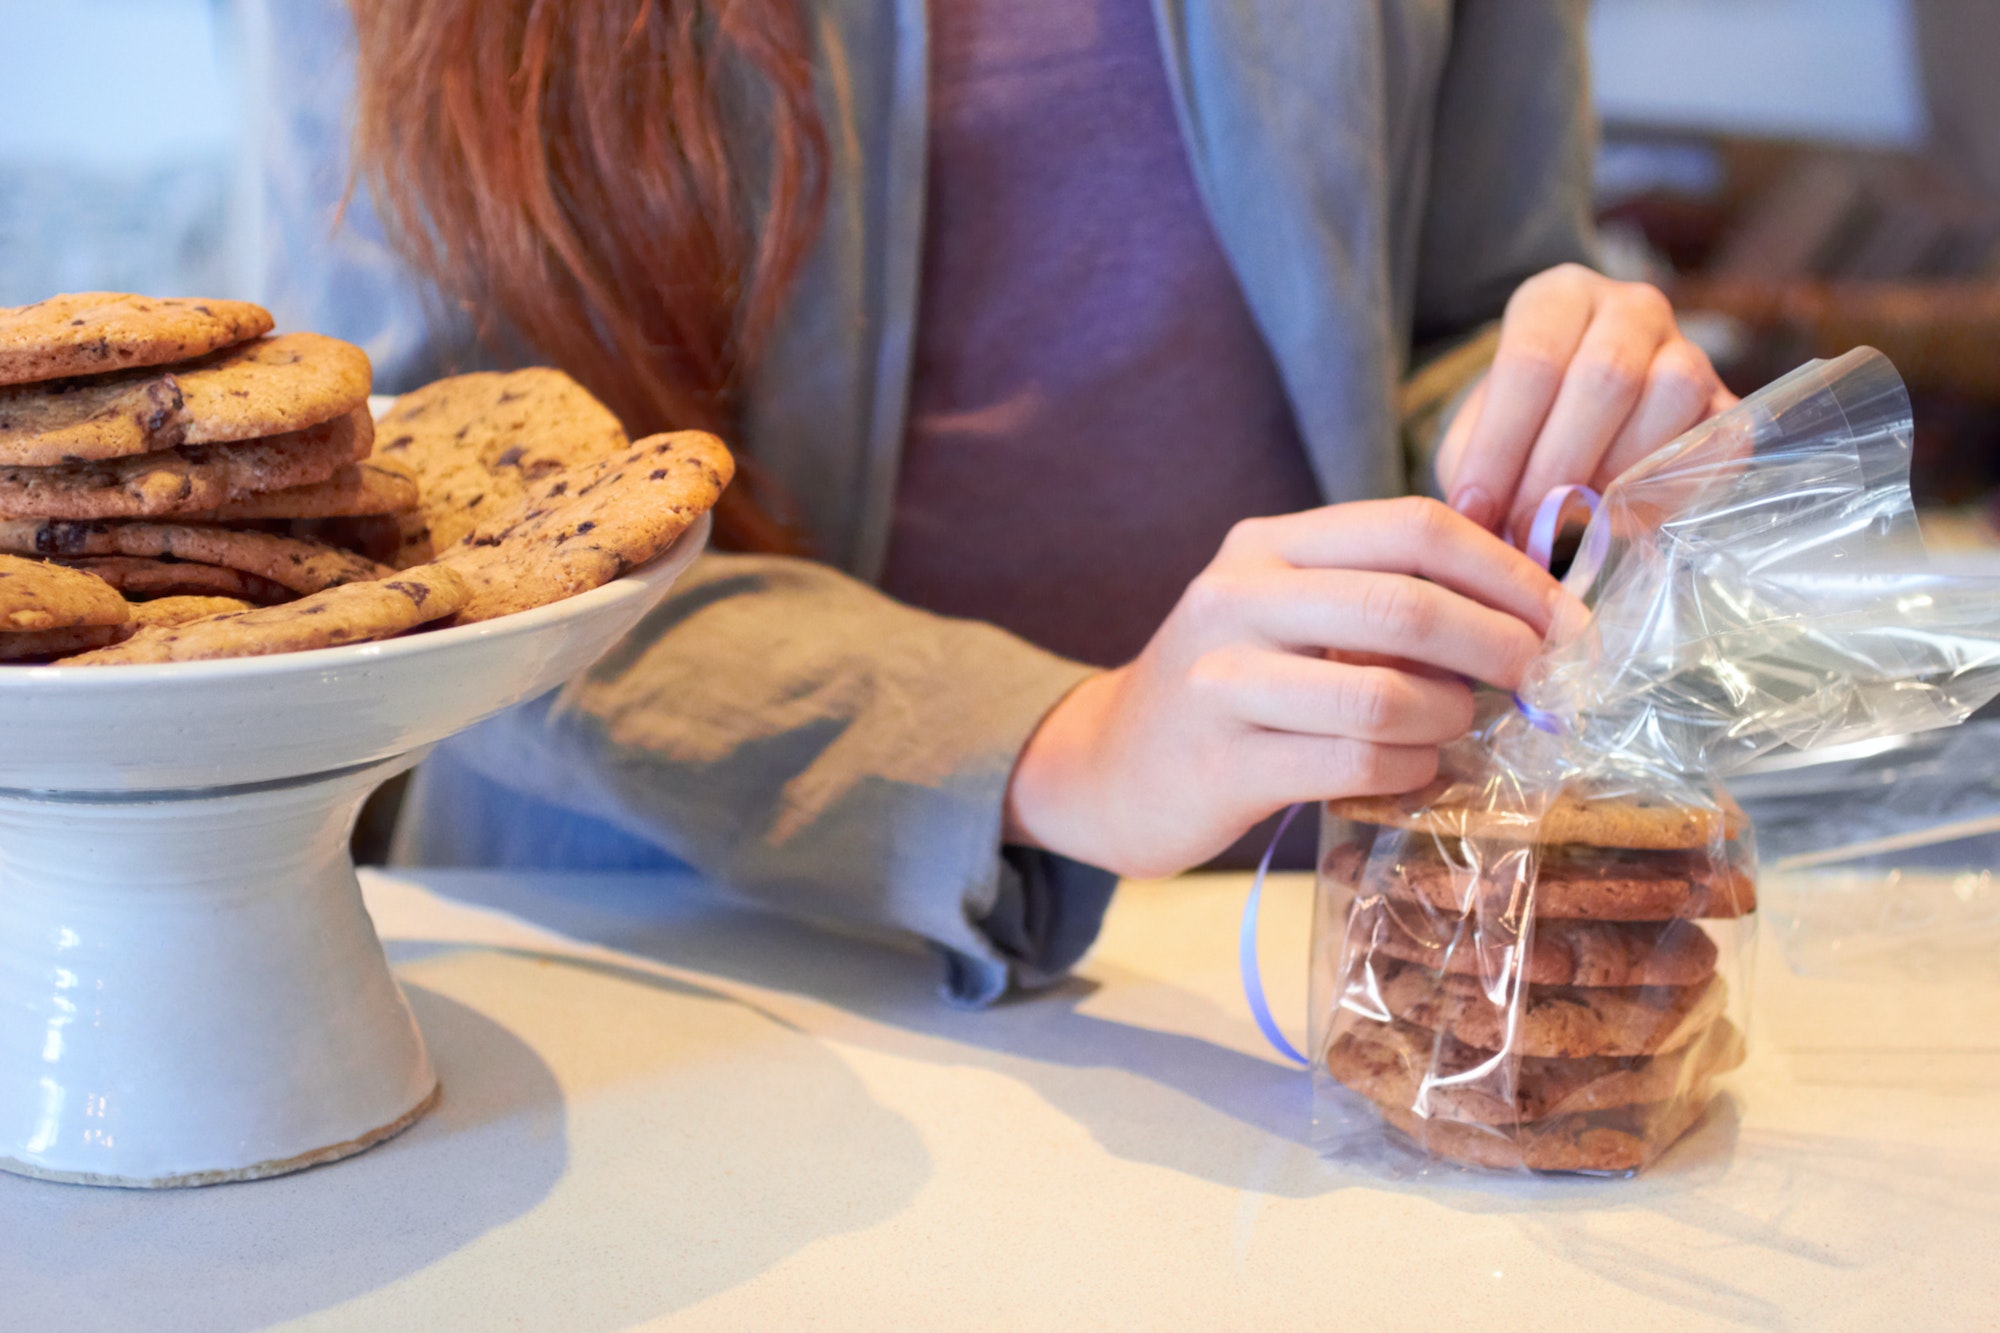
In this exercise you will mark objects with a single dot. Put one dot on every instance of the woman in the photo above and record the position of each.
(1073, 325)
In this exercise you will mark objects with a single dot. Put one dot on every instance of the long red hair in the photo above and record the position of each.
(628, 186)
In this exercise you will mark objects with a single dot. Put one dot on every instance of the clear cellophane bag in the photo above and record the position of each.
(1540, 961)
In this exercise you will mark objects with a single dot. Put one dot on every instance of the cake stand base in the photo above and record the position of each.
(191, 991)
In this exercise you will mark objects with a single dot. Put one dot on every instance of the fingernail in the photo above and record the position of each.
(1477, 505)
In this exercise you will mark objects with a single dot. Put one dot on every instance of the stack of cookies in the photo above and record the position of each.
(1539, 995)
(165, 447)
(176, 485)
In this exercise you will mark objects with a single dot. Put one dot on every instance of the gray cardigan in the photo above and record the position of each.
(1380, 173)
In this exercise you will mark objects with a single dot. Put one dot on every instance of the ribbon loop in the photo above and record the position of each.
(1246, 951)
(1542, 533)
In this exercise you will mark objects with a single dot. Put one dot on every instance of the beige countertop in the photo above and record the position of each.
(659, 1109)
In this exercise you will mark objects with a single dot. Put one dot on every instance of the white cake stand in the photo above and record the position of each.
(190, 989)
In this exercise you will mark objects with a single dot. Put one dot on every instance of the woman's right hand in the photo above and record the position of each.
(1319, 655)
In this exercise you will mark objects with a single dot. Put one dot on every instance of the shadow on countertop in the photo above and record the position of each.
(1196, 1107)
(245, 1255)
(1192, 1106)
(656, 1186)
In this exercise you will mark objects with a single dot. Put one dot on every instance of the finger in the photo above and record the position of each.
(1603, 384)
(1313, 696)
(1394, 663)
(1544, 323)
(1451, 450)
(1282, 769)
(1393, 614)
(1680, 388)
(1420, 537)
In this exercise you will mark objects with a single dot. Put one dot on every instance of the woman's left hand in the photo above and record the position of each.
(1591, 375)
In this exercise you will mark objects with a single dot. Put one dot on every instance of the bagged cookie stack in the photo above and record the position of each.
(168, 447)
(1534, 989)
(1537, 962)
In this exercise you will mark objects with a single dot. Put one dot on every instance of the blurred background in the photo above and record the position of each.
(1804, 175)
(1810, 175)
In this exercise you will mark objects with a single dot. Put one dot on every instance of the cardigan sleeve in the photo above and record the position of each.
(801, 741)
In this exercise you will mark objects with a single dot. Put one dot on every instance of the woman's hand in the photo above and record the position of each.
(1319, 655)
(1591, 376)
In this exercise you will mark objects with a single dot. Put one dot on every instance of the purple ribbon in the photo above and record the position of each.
(1246, 951)
(1542, 534)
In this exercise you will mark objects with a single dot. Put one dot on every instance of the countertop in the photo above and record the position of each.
(661, 1109)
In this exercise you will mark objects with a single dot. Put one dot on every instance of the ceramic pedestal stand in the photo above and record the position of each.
(190, 989)
(209, 952)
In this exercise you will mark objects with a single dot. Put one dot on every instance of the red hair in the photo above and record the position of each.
(629, 186)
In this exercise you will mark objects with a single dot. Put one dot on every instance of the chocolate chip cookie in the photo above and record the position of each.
(87, 333)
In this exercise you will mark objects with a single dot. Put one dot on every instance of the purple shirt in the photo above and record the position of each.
(1092, 406)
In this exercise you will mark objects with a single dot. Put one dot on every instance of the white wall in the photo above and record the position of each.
(119, 140)
(1816, 69)
(112, 84)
